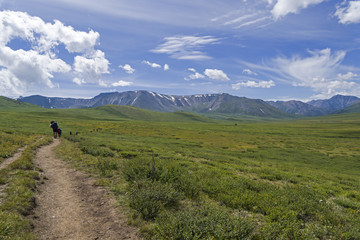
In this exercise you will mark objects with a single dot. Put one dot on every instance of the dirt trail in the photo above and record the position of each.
(8, 161)
(69, 206)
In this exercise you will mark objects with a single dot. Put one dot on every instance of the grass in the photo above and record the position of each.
(289, 180)
(205, 179)
(17, 199)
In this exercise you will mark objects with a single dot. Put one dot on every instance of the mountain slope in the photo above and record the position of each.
(355, 108)
(10, 104)
(134, 113)
(298, 108)
(335, 103)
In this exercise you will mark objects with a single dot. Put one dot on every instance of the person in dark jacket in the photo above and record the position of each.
(55, 128)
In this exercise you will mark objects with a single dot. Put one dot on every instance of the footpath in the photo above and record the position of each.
(70, 206)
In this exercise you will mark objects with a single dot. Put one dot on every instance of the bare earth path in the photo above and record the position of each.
(69, 206)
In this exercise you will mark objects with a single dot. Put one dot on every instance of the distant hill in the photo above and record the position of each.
(134, 113)
(204, 103)
(298, 108)
(355, 108)
(11, 104)
(335, 103)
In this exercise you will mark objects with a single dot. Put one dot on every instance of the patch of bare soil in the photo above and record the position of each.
(70, 206)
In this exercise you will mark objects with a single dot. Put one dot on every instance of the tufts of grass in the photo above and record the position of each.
(18, 195)
(202, 222)
(149, 198)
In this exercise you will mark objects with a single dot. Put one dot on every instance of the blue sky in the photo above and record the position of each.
(268, 49)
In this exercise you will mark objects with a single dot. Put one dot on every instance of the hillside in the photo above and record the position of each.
(134, 113)
(10, 104)
(298, 108)
(355, 108)
(335, 103)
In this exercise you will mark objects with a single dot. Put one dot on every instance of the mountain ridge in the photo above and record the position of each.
(221, 103)
(201, 103)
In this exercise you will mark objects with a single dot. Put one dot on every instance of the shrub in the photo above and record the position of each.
(138, 169)
(106, 165)
(150, 197)
(97, 151)
(202, 223)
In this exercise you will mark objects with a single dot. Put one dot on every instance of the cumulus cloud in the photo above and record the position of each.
(121, 83)
(349, 12)
(153, 65)
(89, 69)
(24, 68)
(216, 74)
(194, 75)
(253, 84)
(249, 72)
(127, 68)
(320, 72)
(284, 7)
(29, 67)
(166, 67)
(186, 47)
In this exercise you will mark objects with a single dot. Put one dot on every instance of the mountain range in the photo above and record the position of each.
(202, 103)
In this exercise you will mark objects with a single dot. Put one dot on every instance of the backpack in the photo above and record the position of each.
(59, 132)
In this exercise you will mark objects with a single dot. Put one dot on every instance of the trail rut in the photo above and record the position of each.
(8, 161)
(69, 206)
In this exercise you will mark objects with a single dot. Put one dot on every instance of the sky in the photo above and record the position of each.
(262, 49)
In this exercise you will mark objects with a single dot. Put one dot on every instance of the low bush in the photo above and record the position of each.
(164, 172)
(106, 166)
(149, 198)
(202, 223)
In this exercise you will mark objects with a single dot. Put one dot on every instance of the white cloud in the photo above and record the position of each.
(249, 72)
(347, 76)
(320, 72)
(166, 67)
(31, 67)
(253, 84)
(10, 84)
(127, 68)
(253, 22)
(241, 19)
(216, 74)
(284, 7)
(186, 47)
(121, 83)
(37, 66)
(90, 69)
(79, 81)
(194, 76)
(153, 65)
(44, 36)
(350, 13)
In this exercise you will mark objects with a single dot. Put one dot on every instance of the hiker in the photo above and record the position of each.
(55, 128)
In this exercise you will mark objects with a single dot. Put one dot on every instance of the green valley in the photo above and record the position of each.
(186, 176)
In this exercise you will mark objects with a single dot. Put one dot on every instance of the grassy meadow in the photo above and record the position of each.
(184, 176)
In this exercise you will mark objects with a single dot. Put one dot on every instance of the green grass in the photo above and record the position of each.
(17, 199)
(183, 176)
